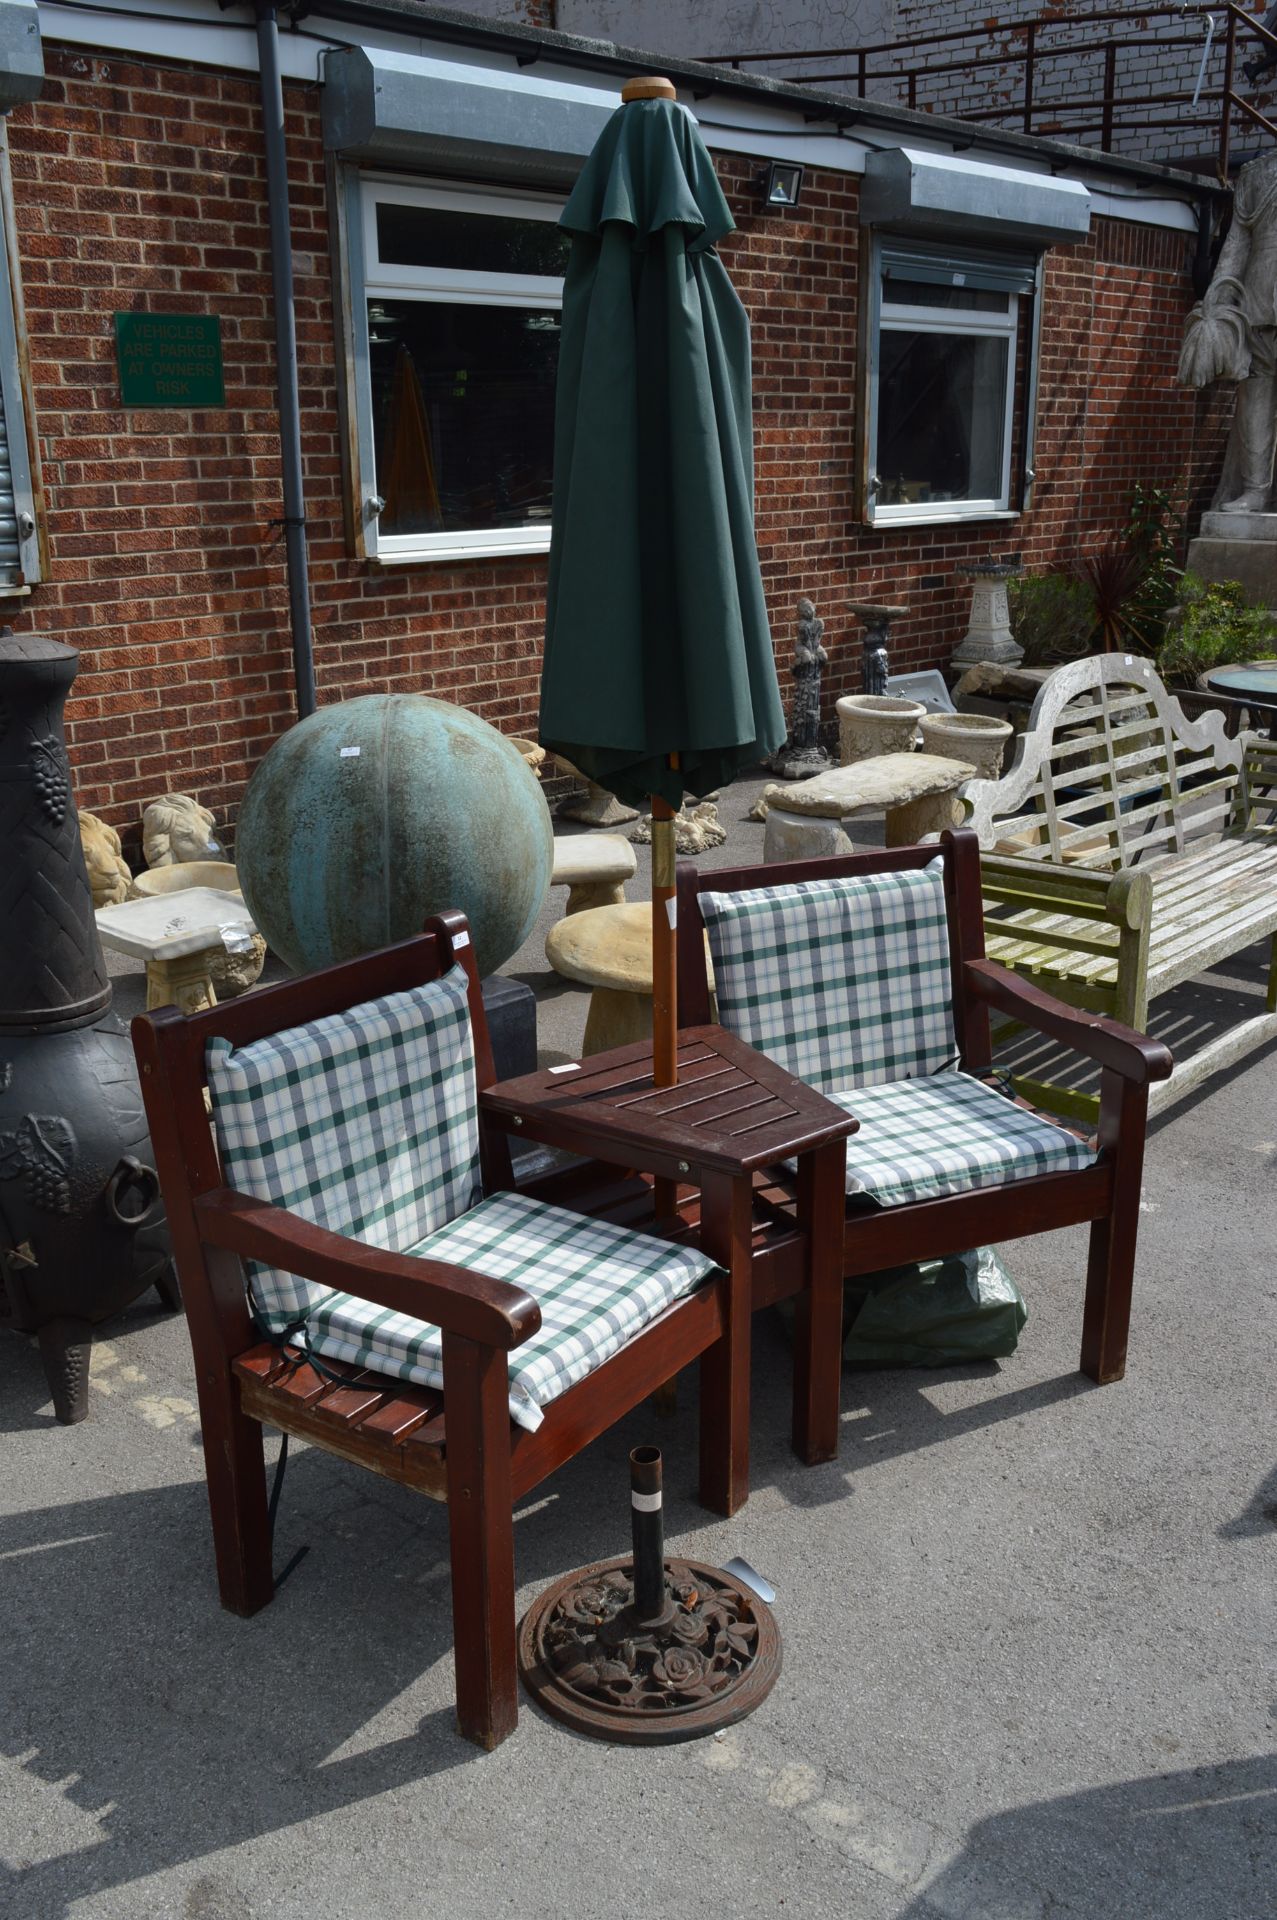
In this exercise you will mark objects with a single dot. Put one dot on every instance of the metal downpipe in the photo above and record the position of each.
(290, 436)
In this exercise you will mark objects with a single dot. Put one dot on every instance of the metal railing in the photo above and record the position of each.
(908, 63)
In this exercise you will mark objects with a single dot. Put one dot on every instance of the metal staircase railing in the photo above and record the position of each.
(1031, 45)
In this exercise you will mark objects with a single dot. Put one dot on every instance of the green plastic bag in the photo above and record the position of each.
(933, 1313)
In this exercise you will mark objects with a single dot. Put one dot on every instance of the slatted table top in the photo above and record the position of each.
(732, 1111)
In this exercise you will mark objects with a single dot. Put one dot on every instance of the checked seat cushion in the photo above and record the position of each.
(366, 1123)
(848, 984)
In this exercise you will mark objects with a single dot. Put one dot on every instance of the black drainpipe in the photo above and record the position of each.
(290, 431)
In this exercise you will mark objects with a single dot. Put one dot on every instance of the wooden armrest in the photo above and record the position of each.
(1132, 1055)
(492, 1312)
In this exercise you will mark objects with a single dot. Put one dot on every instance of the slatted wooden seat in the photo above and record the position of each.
(1127, 850)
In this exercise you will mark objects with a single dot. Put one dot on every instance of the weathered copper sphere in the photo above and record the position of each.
(370, 815)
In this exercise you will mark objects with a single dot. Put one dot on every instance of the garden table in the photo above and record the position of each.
(731, 1114)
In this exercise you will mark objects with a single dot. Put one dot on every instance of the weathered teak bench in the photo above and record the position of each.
(1127, 850)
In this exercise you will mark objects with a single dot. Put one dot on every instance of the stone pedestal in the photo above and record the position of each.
(988, 635)
(1239, 546)
(876, 618)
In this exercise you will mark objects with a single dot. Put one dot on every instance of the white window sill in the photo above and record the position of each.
(458, 551)
(14, 593)
(886, 522)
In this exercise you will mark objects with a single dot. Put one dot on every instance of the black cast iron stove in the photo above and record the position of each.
(82, 1228)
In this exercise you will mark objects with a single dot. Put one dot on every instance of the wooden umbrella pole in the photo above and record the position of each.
(664, 947)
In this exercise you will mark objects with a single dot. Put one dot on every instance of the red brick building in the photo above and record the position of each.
(138, 186)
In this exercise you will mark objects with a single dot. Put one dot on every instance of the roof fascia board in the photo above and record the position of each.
(737, 113)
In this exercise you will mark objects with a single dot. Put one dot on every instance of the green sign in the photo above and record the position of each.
(170, 359)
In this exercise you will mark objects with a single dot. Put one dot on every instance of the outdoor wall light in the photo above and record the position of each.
(782, 184)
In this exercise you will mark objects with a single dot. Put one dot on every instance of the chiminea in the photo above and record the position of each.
(82, 1228)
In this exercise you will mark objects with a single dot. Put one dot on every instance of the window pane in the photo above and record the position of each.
(924, 293)
(463, 414)
(941, 417)
(481, 242)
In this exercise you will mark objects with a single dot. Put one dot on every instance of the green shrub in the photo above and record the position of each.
(1213, 626)
(1052, 617)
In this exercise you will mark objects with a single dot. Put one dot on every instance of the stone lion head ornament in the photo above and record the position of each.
(175, 829)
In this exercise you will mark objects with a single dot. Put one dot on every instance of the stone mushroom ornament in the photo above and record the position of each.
(109, 876)
(177, 829)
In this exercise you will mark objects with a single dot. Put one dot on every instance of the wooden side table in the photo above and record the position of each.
(732, 1114)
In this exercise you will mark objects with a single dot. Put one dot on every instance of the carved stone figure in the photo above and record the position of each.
(1231, 334)
(109, 876)
(177, 828)
(802, 755)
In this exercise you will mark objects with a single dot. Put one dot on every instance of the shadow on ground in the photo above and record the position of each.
(1176, 1844)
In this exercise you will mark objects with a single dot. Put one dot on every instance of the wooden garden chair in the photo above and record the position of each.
(405, 1307)
(866, 977)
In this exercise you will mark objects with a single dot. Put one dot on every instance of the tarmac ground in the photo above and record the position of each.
(1028, 1623)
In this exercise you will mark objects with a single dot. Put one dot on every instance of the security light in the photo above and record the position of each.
(782, 184)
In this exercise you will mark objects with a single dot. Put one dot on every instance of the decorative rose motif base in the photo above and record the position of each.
(591, 1663)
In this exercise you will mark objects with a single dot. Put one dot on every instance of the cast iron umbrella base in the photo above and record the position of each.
(646, 1651)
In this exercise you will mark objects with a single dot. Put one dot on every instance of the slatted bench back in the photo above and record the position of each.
(1110, 771)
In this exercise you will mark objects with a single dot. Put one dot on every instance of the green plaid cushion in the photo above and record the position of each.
(920, 1139)
(844, 982)
(597, 1286)
(365, 1122)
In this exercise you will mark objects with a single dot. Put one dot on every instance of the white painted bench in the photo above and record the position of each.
(1127, 850)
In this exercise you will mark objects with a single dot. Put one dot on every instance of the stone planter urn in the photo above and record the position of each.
(870, 724)
(978, 738)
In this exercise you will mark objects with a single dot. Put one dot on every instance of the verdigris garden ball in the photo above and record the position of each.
(368, 816)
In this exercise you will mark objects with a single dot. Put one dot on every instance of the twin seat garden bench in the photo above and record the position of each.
(1127, 850)
(361, 1269)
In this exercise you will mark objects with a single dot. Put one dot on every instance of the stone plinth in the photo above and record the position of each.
(1239, 546)
(988, 635)
(916, 791)
(1240, 526)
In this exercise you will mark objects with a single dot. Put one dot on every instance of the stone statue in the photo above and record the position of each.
(109, 876)
(176, 829)
(802, 754)
(1231, 334)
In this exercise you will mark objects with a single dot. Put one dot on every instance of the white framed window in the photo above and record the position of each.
(944, 334)
(455, 295)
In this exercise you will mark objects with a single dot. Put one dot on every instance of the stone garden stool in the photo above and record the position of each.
(181, 936)
(916, 791)
(594, 868)
(610, 950)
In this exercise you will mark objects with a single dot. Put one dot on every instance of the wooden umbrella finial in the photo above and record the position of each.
(648, 86)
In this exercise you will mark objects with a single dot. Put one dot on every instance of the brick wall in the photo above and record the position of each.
(142, 187)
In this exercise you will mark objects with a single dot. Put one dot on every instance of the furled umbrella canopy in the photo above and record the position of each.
(657, 642)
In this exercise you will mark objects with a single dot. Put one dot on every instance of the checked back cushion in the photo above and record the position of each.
(844, 982)
(365, 1122)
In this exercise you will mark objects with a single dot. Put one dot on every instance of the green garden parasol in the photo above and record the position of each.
(659, 676)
